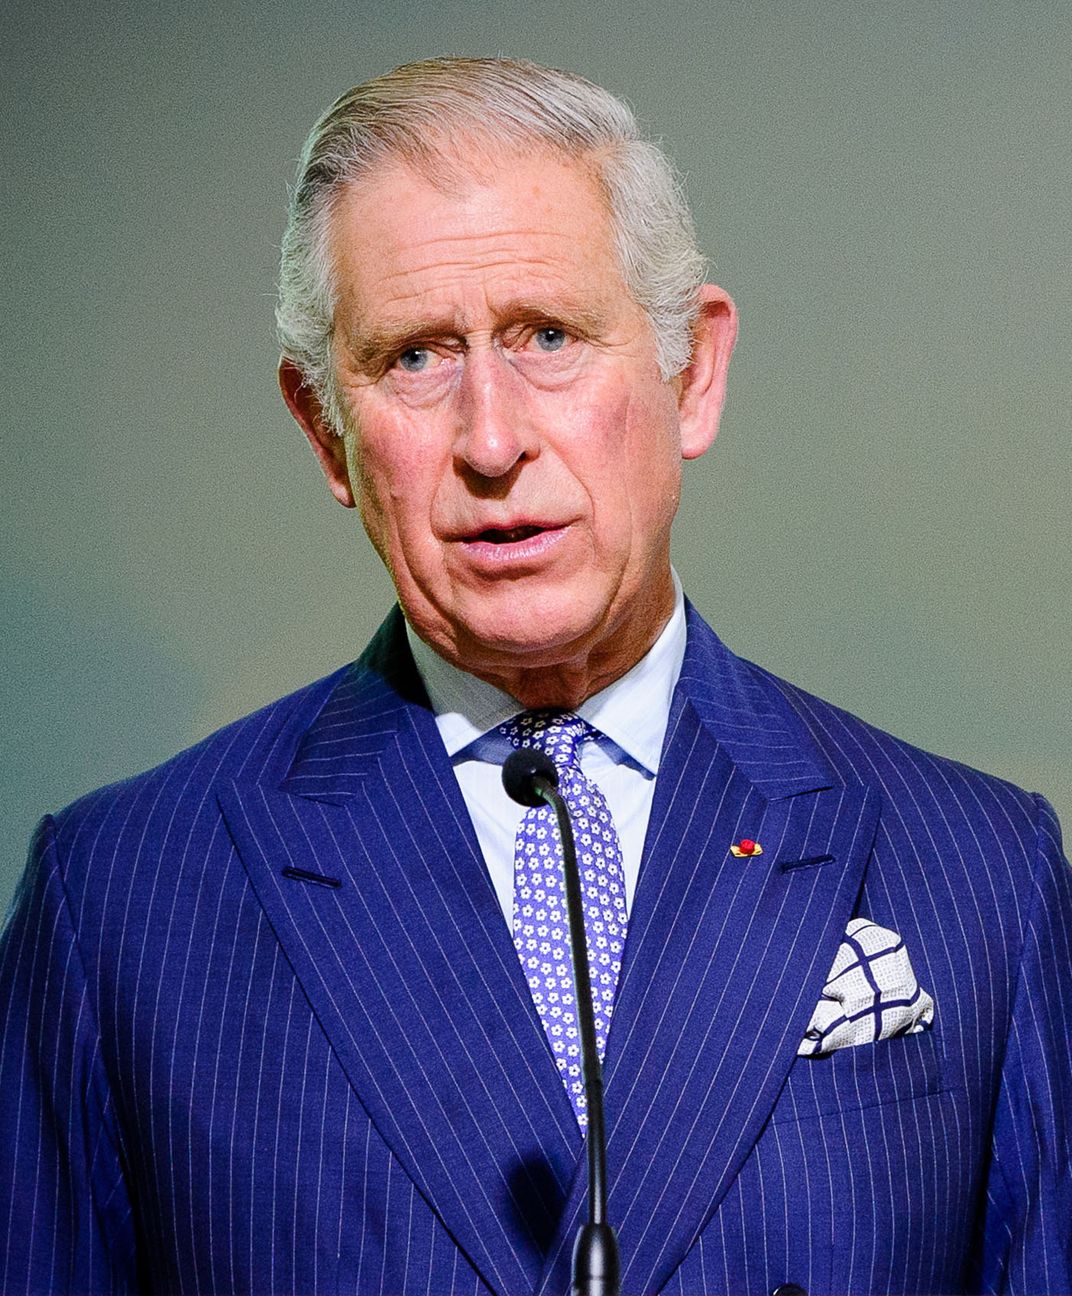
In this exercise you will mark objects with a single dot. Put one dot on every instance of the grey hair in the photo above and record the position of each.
(424, 113)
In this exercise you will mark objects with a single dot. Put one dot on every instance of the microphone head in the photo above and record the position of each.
(520, 772)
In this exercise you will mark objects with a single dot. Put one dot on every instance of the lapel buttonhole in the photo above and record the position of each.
(812, 861)
(304, 875)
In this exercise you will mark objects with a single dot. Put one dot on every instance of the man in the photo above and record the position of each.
(267, 1024)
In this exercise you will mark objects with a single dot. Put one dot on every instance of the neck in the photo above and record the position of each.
(565, 684)
(562, 687)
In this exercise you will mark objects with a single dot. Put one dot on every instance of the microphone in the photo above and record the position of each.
(530, 778)
(523, 772)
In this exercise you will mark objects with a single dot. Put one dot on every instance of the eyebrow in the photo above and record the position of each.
(370, 345)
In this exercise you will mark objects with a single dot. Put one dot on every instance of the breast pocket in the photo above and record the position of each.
(866, 1075)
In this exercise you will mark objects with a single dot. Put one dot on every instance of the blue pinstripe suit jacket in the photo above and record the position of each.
(265, 1029)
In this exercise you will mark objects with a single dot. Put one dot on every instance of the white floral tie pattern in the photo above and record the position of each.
(541, 925)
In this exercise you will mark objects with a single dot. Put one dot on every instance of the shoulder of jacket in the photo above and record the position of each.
(863, 751)
(251, 747)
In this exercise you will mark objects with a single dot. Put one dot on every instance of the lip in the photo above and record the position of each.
(481, 525)
(493, 557)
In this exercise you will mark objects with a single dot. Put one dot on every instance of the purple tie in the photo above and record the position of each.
(541, 926)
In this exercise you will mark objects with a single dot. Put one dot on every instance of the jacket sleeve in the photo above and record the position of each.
(66, 1223)
(1027, 1243)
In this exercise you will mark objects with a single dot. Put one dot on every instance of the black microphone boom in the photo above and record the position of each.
(530, 778)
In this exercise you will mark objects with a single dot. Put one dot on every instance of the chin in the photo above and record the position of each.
(540, 636)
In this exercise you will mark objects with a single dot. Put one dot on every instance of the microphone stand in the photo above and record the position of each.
(530, 777)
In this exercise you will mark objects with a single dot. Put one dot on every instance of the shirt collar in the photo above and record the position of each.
(633, 712)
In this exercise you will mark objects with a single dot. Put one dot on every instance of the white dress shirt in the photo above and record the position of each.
(631, 715)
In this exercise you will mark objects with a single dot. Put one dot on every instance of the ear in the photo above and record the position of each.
(328, 446)
(702, 386)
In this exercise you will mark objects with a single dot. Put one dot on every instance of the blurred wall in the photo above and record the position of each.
(885, 519)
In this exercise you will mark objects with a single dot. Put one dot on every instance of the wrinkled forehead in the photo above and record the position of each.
(454, 163)
(494, 225)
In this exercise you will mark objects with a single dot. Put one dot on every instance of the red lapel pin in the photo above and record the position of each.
(746, 848)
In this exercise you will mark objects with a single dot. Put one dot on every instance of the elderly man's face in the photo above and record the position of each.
(512, 447)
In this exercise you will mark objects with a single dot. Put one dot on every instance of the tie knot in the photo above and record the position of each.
(557, 734)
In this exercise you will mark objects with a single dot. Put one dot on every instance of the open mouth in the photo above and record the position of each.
(513, 535)
(514, 548)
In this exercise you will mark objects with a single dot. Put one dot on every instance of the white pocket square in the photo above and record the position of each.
(871, 993)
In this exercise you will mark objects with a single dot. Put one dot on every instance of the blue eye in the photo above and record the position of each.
(550, 339)
(414, 359)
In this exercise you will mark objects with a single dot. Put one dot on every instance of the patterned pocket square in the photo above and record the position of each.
(871, 993)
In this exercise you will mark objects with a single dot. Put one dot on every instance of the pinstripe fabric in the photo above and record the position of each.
(265, 1030)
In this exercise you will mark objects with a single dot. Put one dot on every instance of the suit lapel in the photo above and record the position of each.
(367, 866)
(411, 972)
(725, 957)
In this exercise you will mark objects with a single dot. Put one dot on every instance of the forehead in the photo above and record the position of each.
(506, 225)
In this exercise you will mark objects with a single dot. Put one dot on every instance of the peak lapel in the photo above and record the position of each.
(725, 957)
(409, 967)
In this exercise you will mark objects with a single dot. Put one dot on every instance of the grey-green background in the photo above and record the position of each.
(885, 189)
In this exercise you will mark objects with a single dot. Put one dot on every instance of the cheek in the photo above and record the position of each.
(371, 504)
(649, 459)
(394, 470)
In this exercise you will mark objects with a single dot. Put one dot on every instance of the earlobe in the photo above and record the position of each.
(703, 383)
(328, 446)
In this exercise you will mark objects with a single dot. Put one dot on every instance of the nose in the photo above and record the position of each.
(495, 432)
